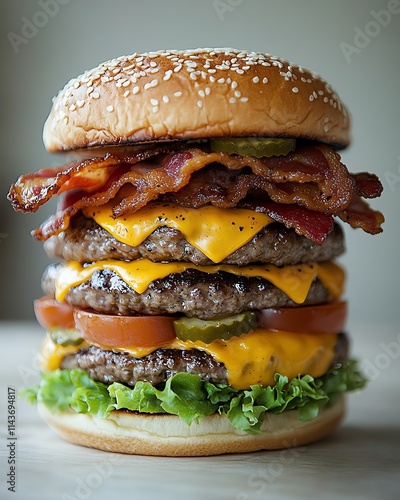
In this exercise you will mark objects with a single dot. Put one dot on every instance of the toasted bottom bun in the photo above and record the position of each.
(168, 435)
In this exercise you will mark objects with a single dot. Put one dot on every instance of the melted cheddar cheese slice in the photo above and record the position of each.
(294, 281)
(216, 232)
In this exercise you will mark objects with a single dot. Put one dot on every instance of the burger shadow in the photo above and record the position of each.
(356, 441)
(372, 450)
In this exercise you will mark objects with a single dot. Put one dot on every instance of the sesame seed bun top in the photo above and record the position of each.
(194, 94)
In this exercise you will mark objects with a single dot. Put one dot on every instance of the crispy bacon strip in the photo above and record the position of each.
(91, 176)
(313, 225)
(360, 215)
(312, 178)
(367, 185)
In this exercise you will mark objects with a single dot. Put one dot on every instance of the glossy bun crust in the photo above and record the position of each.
(194, 94)
(168, 435)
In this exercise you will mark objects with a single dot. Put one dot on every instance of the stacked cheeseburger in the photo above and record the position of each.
(197, 306)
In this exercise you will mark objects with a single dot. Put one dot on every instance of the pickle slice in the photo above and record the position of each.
(207, 331)
(65, 337)
(253, 146)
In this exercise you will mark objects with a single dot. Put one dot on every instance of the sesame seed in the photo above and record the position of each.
(147, 86)
(326, 128)
(207, 90)
(126, 93)
(80, 103)
(240, 71)
(95, 95)
(256, 79)
(154, 102)
(200, 103)
(295, 90)
(237, 93)
(167, 75)
(234, 85)
(135, 90)
(201, 93)
(311, 98)
(326, 99)
(177, 68)
(72, 107)
(153, 64)
(77, 85)
(155, 109)
(265, 80)
(110, 108)
(221, 80)
(165, 98)
(244, 99)
(193, 76)
(212, 70)
(232, 100)
(89, 90)
(177, 94)
(212, 79)
(154, 82)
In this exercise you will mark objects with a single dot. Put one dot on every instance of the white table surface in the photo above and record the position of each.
(361, 460)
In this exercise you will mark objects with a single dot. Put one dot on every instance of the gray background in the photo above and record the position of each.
(310, 33)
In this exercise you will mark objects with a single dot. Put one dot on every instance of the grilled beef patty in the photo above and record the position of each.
(192, 293)
(86, 241)
(109, 366)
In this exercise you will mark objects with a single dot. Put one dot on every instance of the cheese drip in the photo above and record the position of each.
(216, 232)
(295, 281)
(253, 358)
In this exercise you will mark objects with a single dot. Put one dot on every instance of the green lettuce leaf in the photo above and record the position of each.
(191, 398)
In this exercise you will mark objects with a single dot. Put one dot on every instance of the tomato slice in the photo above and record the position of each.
(50, 313)
(125, 331)
(324, 318)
